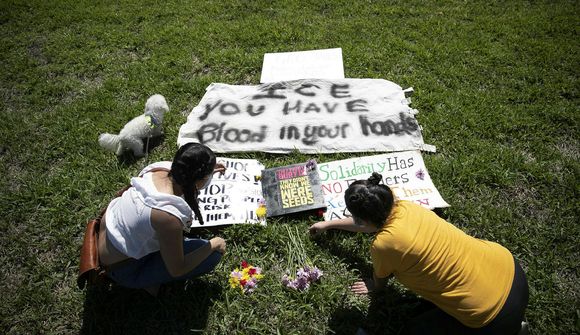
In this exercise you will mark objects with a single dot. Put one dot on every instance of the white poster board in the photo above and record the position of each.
(284, 66)
(233, 197)
(311, 116)
(404, 172)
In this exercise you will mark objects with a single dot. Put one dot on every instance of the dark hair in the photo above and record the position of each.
(367, 200)
(192, 162)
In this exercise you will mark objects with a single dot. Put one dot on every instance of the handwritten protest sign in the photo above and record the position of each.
(312, 116)
(404, 172)
(232, 197)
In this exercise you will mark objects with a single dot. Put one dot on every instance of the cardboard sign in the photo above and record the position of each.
(404, 172)
(320, 64)
(312, 116)
(233, 197)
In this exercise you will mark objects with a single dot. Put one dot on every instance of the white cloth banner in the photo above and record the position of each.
(310, 115)
(404, 172)
(234, 196)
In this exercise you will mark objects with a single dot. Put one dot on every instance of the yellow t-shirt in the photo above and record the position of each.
(466, 277)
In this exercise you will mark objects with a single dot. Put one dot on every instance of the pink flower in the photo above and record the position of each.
(315, 274)
(420, 174)
(311, 164)
(285, 280)
(302, 283)
(250, 285)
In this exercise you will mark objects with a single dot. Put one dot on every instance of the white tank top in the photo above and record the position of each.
(129, 216)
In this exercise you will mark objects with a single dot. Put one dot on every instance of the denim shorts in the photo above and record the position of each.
(150, 270)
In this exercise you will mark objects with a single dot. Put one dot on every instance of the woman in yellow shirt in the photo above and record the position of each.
(477, 285)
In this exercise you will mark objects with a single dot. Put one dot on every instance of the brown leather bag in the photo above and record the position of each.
(90, 269)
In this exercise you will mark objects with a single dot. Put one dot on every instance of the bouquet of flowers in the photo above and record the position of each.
(305, 275)
(247, 278)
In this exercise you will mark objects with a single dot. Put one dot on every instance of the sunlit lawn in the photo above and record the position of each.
(496, 85)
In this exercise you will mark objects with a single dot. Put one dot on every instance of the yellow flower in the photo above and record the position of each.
(261, 211)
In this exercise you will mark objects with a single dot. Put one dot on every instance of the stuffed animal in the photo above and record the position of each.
(143, 127)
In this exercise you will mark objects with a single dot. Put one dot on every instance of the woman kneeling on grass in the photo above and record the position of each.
(477, 285)
(141, 242)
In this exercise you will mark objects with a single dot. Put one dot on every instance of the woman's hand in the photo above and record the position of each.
(363, 287)
(218, 244)
(219, 167)
(318, 228)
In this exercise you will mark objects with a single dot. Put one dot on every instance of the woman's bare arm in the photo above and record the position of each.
(170, 235)
(341, 224)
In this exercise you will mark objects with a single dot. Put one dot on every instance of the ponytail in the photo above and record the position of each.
(190, 194)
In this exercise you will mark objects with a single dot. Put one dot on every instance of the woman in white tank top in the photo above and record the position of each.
(141, 242)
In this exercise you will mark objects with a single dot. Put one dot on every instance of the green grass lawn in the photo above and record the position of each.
(496, 85)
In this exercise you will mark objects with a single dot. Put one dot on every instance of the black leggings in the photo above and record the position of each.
(507, 321)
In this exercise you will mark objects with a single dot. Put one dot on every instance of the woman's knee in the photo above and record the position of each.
(192, 244)
(214, 259)
(208, 264)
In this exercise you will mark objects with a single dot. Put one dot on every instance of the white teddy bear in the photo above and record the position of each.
(138, 130)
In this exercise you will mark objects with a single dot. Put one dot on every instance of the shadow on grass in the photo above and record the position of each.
(128, 158)
(334, 242)
(388, 311)
(117, 310)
